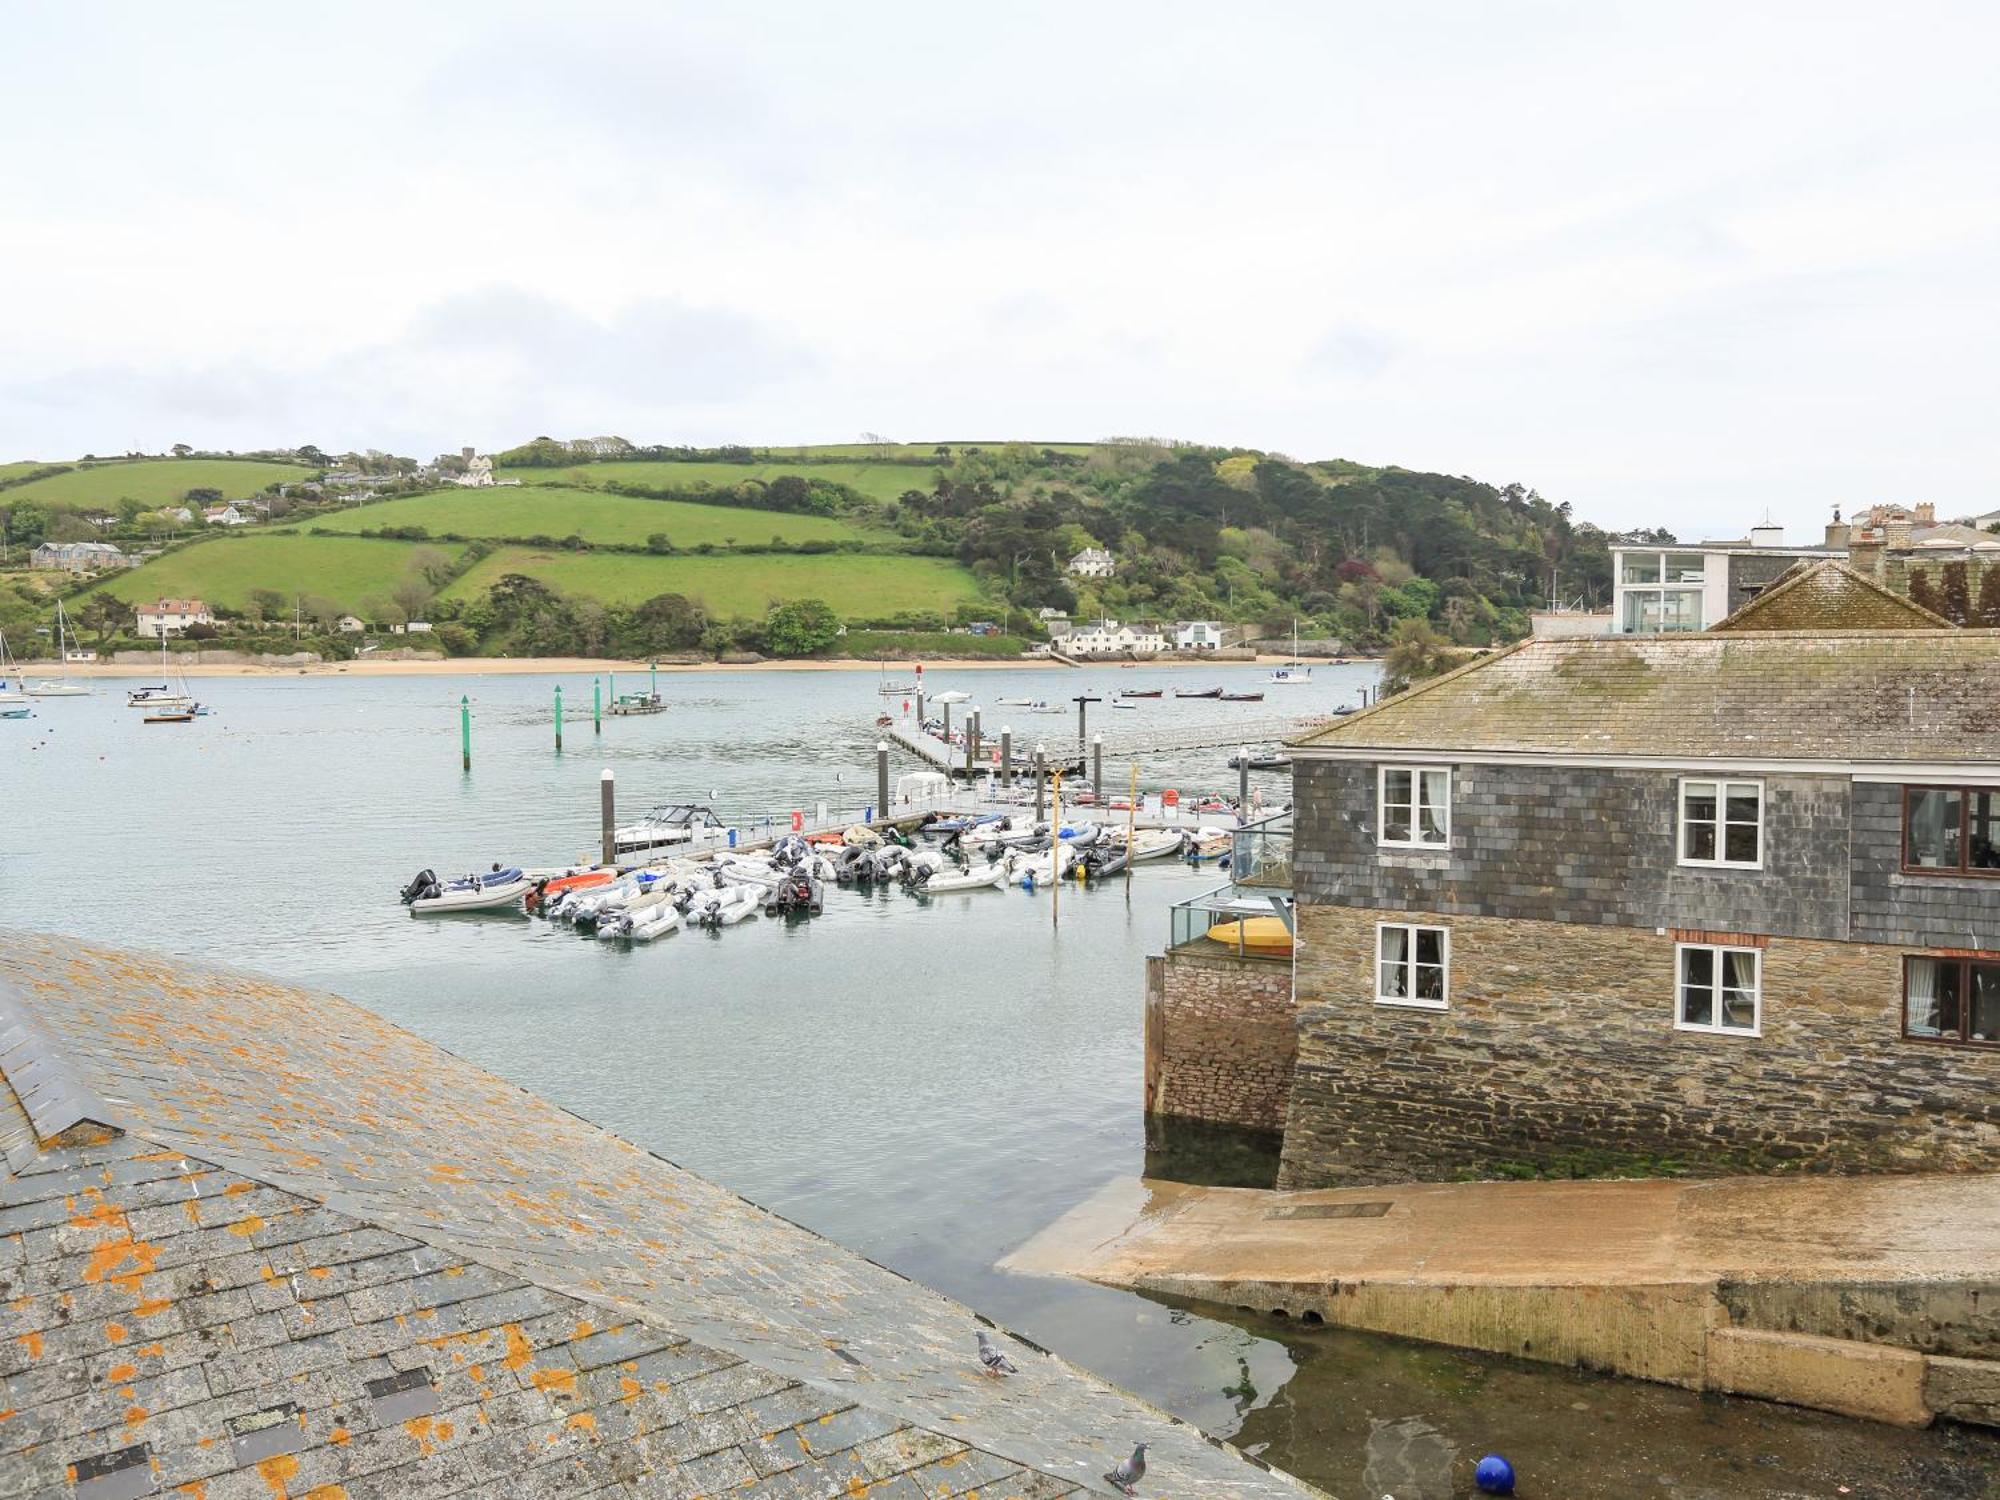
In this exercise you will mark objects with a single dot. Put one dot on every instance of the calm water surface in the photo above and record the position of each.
(929, 1083)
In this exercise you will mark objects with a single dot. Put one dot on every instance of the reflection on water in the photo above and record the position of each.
(931, 1082)
(1212, 1155)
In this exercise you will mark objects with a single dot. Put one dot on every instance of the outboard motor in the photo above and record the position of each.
(422, 888)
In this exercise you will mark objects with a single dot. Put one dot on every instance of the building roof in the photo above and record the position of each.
(1885, 696)
(259, 1239)
(174, 607)
(1829, 595)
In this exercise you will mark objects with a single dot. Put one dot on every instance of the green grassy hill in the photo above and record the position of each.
(856, 586)
(881, 482)
(155, 481)
(16, 470)
(347, 570)
(540, 510)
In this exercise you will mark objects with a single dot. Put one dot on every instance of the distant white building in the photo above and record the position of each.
(478, 473)
(76, 557)
(224, 515)
(350, 625)
(165, 617)
(1198, 635)
(415, 627)
(1109, 638)
(1093, 562)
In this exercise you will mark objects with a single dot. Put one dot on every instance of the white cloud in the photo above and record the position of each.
(1668, 263)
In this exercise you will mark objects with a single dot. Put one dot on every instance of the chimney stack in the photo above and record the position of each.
(1896, 533)
(466, 454)
(1767, 535)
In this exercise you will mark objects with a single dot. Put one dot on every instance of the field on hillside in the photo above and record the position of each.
(540, 511)
(877, 481)
(20, 467)
(156, 481)
(346, 570)
(857, 586)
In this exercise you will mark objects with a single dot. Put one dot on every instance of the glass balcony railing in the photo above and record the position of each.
(1262, 854)
(1233, 921)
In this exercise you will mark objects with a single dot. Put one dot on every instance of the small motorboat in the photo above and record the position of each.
(16, 711)
(171, 716)
(979, 878)
(1242, 697)
(1262, 760)
(1155, 843)
(546, 891)
(1121, 703)
(1140, 693)
(724, 908)
(1041, 866)
(1214, 692)
(426, 895)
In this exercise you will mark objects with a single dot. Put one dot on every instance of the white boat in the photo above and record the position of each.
(12, 710)
(63, 686)
(725, 907)
(1042, 866)
(488, 892)
(1293, 673)
(11, 697)
(667, 828)
(979, 878)
(1155, 843)
(657, 923)
(165, 704)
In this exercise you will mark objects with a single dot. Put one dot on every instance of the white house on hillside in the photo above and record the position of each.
(1197, 635)
(478, 473)
(1093, 562)
(1109, 638)
(224, 515)
(170, 616)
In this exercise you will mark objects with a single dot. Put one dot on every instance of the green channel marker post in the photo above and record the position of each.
(654, 687)
(559, 718)
(597, 705)
(465, 731)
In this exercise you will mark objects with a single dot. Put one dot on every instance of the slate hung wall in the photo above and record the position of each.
(1565, 903)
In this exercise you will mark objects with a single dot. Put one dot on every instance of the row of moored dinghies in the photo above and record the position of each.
(720, 887)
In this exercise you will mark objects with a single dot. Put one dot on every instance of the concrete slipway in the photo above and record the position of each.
(1875, 1297)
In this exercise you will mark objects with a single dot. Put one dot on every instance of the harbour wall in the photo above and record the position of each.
(1221, 1039)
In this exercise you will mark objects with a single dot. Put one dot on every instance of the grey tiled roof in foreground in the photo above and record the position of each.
(258, 1242)
(1859, 695)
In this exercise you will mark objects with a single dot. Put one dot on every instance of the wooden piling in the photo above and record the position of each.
(1242, 785)
(1006, 755)
(1097, 766)
(1041, 779)
(881, 778)
(607, 815)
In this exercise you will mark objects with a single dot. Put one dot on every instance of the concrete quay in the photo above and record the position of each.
(1872, 1297)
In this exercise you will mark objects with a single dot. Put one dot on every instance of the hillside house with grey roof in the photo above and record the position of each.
(1723, 901)
(257, 1242)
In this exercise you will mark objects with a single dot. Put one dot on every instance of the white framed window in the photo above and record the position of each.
(1413, 807)
(1720, 989)
(1722, 823)
(1412, 965)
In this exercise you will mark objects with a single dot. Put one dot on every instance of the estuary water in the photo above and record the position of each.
(930, 1083)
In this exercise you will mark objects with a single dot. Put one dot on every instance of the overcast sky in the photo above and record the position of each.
(1674, 263)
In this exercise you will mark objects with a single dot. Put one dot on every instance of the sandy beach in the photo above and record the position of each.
(495, 666)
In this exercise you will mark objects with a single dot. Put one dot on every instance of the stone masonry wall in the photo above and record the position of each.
(1559, 1049)
(1227, 1038)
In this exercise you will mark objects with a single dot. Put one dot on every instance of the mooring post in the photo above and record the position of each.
(1242, 786)
(653, 682)
(607, 815)
(1055, 855)
(1097, 766)
(972, 732)
(1041, 779)
(920, 699)
(1006, 755)
(597, 705)
(882, 776)
(559, 718)
(465, 732)
(947, 724)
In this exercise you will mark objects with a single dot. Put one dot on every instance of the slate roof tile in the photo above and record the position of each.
(290, 1199)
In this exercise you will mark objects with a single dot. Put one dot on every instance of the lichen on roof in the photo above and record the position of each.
(1853, 695)
(259, 1239)
(1829, 595)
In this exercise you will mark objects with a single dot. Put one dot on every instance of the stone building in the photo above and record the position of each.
(1727, 901)
(258, 1242)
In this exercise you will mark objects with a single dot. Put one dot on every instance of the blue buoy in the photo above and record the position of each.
(1494, 1476)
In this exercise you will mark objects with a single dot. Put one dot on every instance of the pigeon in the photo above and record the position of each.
(996, 1363)
(1128, 1474)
